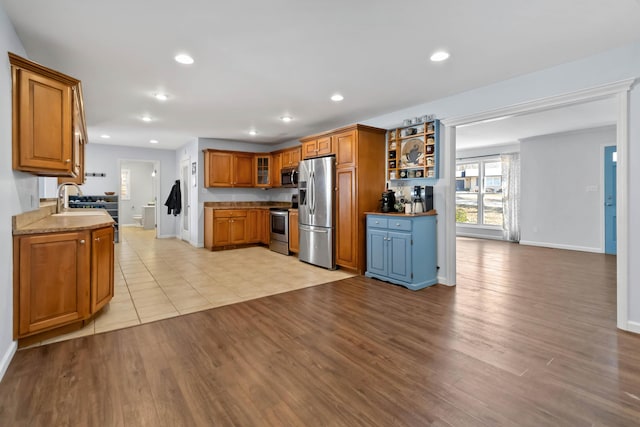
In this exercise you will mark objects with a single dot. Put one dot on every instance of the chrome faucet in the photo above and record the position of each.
(63, 196)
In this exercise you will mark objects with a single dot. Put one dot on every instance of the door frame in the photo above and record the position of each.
(617, 90)
(185, 234)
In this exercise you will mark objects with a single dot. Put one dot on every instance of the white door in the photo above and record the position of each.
(185, 177)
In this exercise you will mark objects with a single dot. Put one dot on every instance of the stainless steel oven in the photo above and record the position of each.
(279, 241)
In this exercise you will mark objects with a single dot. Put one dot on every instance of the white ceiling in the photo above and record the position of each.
(258, 60)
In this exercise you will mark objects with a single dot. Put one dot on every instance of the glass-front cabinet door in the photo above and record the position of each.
(263, 175)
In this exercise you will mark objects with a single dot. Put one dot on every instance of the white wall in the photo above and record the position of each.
(141, 191)
(610, 66)
(105, 158)
(562, 189)
(19, 192)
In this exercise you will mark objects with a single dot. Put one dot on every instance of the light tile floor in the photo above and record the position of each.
(161, 278)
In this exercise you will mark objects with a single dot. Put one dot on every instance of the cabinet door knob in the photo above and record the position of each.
(97, 239)
(68, 161)
(82, 242)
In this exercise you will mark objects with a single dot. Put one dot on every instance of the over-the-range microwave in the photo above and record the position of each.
(289, 177)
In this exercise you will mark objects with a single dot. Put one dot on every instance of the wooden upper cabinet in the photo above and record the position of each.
(242, 170)
(291, 157)
(218, 167)
(228, 169)
(47, 114)
(263, 171)
(316, 147)
(346, 145)
(276, 165)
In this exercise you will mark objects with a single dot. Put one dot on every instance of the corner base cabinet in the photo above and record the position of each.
(61, 278)
(401, 249)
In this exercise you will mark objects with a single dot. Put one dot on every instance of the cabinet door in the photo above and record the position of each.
(218, 169)
(291, 157)
(323, 146)
(346, 223)
(276, 162)
(399, 256)
(253, 226)
(238, 230)
(242, 170)
(221, 228)
(344, 145)
(43, 133)
(309, 149)
(266, 227)
(208, 228)
(377, 252)
(294, 237)
(101, 267)
(54, 280)
(262, 170)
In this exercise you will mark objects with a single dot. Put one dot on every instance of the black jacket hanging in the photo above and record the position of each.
(174, 202)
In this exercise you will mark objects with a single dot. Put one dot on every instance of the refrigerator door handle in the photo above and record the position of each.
(312, 193)
(313, 231)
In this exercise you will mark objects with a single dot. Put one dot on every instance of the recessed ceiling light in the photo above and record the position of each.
(105, 136)
(146, 118)
(253, 132)
(337, 97)
(441, 55)
(153, 141)
(183, 58)
(161, 96)
(286, 119)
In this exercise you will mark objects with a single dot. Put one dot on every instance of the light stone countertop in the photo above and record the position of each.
(399, 214)
(42, 221)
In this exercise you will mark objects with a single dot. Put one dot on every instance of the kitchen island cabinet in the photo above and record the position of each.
(63, 272)
(401, 249)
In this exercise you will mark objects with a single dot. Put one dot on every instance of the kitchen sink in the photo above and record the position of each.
(81, 212)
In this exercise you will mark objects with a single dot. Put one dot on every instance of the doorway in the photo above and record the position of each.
(619, 91)
(139, 187)
(185, 179)
(610, 162)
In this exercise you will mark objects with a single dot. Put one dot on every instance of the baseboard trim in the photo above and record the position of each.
(633, 327)
(6, 358)
(560, 246)
(478, 236)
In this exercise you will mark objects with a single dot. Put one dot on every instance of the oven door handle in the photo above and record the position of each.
(313, 231)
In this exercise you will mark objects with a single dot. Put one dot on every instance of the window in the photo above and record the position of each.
(125, 184)
(479, 192)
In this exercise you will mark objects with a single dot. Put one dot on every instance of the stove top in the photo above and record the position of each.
(279, 209)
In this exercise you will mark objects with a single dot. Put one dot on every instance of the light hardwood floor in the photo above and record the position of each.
(527, 338)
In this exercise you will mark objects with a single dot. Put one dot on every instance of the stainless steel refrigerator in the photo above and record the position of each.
(316, 211)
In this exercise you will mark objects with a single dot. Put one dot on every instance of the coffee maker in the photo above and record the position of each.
(418, 205)
(388, 201)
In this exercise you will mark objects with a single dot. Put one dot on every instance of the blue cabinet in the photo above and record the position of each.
(401, 249)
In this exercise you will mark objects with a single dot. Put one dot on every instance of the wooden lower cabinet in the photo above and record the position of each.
(102, 264)
(294, 236)
(265, 226)
(60, 278)
(346, 219)
(253, 231)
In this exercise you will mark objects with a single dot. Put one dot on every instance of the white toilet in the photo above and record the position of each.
(138, 220)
